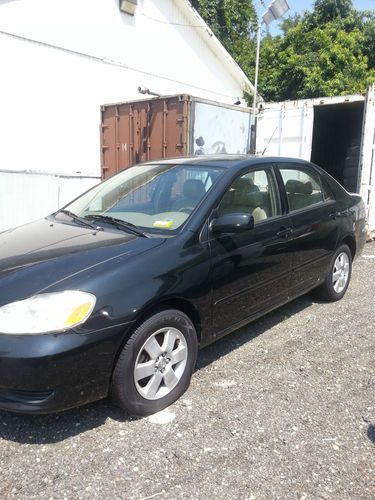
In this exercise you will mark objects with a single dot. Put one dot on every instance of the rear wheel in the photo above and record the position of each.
(338, 275)
(156, 364)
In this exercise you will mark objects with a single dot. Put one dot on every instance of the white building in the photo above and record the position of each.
(60, 60)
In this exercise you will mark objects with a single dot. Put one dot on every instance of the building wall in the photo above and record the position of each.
(60, 61)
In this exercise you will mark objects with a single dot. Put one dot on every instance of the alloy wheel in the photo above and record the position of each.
(160, 363)
(340, 273)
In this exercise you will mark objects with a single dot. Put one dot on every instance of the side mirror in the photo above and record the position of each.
(232, 223)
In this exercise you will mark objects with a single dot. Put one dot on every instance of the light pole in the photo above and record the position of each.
(275, 11)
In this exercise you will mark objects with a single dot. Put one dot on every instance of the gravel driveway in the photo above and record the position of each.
(284, 408)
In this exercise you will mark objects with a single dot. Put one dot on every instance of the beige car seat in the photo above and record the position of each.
(244, 196)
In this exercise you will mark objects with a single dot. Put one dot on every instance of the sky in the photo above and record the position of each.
(297, 6)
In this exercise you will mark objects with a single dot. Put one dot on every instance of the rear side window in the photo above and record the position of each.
(303, 188)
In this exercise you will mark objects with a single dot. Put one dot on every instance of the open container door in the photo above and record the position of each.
(285, 129)
(367, 159)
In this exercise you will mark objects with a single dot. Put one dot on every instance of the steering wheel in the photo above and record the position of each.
(188, 210)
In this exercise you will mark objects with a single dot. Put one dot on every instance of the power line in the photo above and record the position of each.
(161, 21)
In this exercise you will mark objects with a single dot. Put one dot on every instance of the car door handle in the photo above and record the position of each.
(333, 214)
(284, 232)
(346, 213)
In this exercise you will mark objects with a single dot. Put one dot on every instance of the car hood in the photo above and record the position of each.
(38, 255)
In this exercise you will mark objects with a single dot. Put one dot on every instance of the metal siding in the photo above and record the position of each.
(25, 197)
(367, 162)
(285, 130)
(108, 141)
(138, 131)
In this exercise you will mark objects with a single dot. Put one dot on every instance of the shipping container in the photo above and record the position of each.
(165, 127)
(336, 133)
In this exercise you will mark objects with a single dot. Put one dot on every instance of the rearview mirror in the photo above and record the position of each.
(233, 223)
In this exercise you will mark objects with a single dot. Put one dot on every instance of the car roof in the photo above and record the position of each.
(223, 160)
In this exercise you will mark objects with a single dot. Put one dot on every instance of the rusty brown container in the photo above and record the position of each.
(163, 127)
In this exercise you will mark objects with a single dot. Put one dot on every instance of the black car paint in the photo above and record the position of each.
(221, 281)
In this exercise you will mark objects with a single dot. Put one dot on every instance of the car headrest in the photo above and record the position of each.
(241, 188)
(193, 189)
(243, 184)
(255, 199)
(249, 199)
(298, 187)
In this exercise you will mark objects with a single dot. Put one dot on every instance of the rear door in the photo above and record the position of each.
(312, 211)
(367, 162)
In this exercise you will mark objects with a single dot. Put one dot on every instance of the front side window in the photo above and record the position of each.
(302, 186)
(254, 193)
(155, 198)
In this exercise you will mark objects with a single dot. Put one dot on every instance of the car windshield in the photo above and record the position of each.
(155, 198)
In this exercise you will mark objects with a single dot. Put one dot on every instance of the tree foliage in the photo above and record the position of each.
(228, 19)
(234, 23)
(328, 51)
(322, 61)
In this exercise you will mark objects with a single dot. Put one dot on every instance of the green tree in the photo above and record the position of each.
(323, 61)
(228, 19)
(326, 11)
(329, 51)
(234, 22)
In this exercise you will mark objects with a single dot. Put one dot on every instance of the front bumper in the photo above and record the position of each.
(54, 372)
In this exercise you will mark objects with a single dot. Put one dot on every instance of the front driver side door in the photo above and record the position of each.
(250, 271)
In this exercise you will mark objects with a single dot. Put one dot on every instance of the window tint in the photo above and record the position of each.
(254, 193)
(302, 187)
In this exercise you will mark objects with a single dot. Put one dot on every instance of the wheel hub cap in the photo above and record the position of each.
(341, 271)
(160, 363)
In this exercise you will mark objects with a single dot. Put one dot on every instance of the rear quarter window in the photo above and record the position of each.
(303, 187)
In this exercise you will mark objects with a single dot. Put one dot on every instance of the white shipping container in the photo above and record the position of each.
(336, 133)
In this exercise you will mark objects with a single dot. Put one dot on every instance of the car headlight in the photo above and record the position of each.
(47, 312)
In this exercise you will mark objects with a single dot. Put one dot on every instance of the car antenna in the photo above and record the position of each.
(270, 139)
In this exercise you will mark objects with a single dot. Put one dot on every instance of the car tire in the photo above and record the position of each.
(338, 275)
(155, 366)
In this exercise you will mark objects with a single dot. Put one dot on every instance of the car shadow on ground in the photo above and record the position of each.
(55, 428)
(252, 330)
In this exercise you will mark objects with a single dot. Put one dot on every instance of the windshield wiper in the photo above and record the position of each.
(77, 218)
(122, 224)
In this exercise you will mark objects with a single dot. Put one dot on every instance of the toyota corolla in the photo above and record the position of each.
(115, 293)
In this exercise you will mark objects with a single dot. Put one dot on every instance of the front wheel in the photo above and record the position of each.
(338, 275)
(156, 364)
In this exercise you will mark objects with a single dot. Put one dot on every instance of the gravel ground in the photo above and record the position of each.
(283, 408)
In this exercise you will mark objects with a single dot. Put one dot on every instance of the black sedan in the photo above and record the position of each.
(115, 293)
